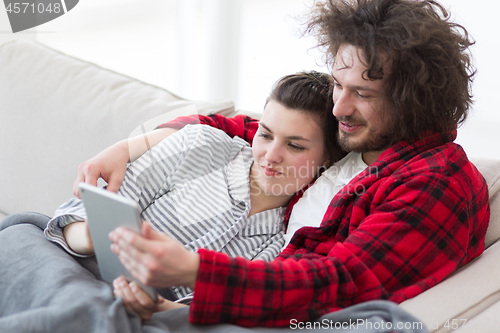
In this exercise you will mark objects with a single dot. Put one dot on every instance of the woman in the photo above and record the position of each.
(210, 191)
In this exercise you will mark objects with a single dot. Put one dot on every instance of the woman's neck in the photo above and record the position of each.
(260, 201)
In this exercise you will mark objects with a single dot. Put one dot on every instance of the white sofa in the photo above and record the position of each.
(57, 111)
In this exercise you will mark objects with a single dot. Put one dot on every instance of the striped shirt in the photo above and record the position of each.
(194, 186)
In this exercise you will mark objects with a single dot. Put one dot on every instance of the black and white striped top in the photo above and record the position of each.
(194, 186)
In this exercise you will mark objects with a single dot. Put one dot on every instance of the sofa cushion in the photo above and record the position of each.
(468, 292)
(487, 321)
(57, 111)
(490, 169)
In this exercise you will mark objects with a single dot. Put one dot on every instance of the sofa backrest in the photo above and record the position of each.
(57, 111)
(490, 169)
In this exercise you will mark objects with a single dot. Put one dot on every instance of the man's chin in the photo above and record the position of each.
(349, 144)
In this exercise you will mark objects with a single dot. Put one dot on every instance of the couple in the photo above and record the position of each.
(401, 77)
(209, 191)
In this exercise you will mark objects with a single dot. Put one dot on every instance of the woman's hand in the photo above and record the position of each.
(110, 165)
(155, 259)
(137, 301)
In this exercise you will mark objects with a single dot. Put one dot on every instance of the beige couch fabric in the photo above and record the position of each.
(58, 111)
(490, 169)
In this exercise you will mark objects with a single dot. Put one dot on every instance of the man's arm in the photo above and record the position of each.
(393, 253)
(242, 126)
(408, 243)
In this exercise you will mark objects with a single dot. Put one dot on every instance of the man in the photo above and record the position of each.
(405, 207)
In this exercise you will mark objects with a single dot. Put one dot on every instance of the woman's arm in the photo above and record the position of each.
(77, 235)
(111, 163)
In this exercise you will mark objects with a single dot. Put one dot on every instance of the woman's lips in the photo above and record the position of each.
(349, 127)
(270, 172)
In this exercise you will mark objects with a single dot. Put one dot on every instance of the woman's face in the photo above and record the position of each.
(288, 150)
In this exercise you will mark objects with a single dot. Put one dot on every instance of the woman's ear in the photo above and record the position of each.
(327, 164)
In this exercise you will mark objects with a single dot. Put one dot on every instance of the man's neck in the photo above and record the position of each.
(371, 156)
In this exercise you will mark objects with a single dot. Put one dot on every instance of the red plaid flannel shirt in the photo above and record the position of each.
(400, 227)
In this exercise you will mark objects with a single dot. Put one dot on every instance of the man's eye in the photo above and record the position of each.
(362, 96)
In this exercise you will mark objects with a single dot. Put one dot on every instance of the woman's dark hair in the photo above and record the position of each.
(429, 86)
(311, 93)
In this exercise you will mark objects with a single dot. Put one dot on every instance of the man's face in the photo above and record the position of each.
(359, 104)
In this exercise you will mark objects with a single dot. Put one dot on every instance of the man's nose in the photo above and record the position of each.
(343, 105)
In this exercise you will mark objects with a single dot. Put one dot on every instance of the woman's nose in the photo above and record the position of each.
(274, 154)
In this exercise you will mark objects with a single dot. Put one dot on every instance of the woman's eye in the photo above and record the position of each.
(296, 147)
(264, 135)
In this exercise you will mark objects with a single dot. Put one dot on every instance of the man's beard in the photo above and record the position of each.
(374, 142)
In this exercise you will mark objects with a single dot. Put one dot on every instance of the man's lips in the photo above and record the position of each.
(270, 172)
(349, 127)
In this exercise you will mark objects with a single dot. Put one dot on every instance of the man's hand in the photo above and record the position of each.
(77, 235)
(155, 259)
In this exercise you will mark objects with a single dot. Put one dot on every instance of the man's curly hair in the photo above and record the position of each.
(429, 86)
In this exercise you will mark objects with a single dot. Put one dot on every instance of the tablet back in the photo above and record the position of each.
(105, 212)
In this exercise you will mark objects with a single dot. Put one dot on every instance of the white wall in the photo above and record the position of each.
(6, 34)
(133, 37)
(480, 135)
(192, 48)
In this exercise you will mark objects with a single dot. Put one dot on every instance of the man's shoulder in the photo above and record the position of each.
(209, 134)
(447, 163)
(448, 159)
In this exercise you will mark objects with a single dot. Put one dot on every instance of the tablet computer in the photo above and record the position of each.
(105, 212)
